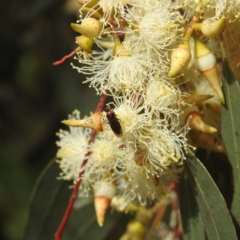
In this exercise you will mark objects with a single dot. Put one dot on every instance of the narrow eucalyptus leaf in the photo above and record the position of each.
(193, 227)
(48, 203)
(215, 215)
(230, 130)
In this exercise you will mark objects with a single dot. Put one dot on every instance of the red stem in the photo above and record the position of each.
(58, 235)
(66, 57)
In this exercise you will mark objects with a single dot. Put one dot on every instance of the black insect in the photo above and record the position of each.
(113, 122)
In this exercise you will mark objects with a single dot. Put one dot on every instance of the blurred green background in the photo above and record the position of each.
(34, 97)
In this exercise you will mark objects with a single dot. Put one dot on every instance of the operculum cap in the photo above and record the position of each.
(92, 12)
(94, 122)
(212, 27)
(89, 27)
(192, 116)
(104, 192)
(179, 58)
(85, 43)
(206, 63)
(200, 49)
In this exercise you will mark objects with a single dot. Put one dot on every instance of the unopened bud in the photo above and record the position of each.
(205, 61)
(89, 27)
(92, 5)
(94, 122)
(118, 49)
(92, 12)
(200, 49)
(136, 229)
(85, 43)
(195, 121)
(212, 27)
(104, 192)
(212, 77)
(179, 58)
(101, 204)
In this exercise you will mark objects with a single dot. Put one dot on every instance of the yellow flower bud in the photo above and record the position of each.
(89, 11)
(180, 57)
(90, 27)
(85, 43)
(200, 49)
(95, 10)
(119, 50)
(212, 27)
(195, 121)
(205, 61)
(136, 229)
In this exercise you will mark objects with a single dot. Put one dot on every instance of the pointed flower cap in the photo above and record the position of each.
(205, 61)
(85, 43)
(89, 27)
(212, 27)
(179, 58)
(195, 121)
(94, 122)
(104, 192)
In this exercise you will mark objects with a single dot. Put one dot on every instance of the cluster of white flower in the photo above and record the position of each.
(142, 48)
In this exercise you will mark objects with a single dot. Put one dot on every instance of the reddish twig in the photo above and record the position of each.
(58, 235)
(101, 102)
(159, 216)
(66, 57)
(175, 205)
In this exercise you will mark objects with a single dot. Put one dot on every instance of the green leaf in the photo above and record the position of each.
(220, 170)
(230, 130)
(215, 215)
(48, 204)
(193, 227)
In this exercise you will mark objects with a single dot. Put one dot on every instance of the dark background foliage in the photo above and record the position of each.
(34, 97)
